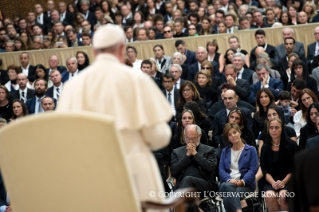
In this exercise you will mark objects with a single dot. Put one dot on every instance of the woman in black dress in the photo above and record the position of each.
(83, 60)
(233, 42)
(213, 55)
(5, 104)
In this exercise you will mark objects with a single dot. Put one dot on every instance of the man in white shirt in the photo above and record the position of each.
(26, 68)
(229, 22)
(56, 89)
(73, 71)
(170, 92)
(41, 18)
(23, 93)
(131, 53)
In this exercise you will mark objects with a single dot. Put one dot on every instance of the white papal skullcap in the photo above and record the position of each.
(107, 36)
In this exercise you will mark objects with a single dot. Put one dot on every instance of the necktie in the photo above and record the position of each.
(23, 97)
(176, 85)
(57, 93)
(317, 49)
(169, 98)
(39, 19)
(61, 17)
(40, 110)
(72, 74)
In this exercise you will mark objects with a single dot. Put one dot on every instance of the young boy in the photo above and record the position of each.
(286, 103)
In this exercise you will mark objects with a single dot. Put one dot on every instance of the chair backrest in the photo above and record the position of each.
(66, 161)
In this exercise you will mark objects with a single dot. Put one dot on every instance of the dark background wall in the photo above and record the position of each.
(22, 7)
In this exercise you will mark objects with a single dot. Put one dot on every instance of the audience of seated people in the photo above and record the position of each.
(208, 90)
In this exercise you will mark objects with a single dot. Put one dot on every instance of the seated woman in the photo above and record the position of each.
(188, 92)
(5, 104)
(213, 55)
(306, 98)
(178, 139)
(228, 56)
(236, 116)
(310, 129)
(42, 74)
(264, 98)
(83, 60)
(13, 72)
(162, 60)
(233, 42)
(276, 162)
(275, 111)
(237, 169)
(203, 83)
(19, 109)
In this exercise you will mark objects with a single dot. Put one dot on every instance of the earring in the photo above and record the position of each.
(193, 94)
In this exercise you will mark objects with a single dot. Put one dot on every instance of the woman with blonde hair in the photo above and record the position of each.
(310, 9)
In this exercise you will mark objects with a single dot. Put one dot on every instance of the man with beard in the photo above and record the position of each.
(34, 104)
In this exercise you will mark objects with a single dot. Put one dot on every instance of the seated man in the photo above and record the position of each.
(54, 64)
(48, 104)
(194, 164)
(146, 67)
(274, 85)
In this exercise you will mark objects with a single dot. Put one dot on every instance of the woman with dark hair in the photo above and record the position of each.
(233, 42)
(237, 169)
(83, 60)
(275, 111)
(188, 92)
(236, 116)
(78, 20)
(52, 36)
(178, 139)
(19, 109)
(264, 98)
(162, 60)
(206, 27)
(118, 18)
(19, 44)
(138, 19)
(285, 18)
(71, 8)
(292, 12)
(152, 33)
(310, 129)
(228, 56)
(207, 90)
(276, 163)
(41, 73)
(26, 40)
(106, 7)
(5, 104)
(299, 70)
(150, 8)
(213, 55)
(306, 98)
(13, 72)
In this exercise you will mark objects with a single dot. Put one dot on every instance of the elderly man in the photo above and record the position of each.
(47, 104)
(265, 81)
(168, 32)
(194, 164)
(313, 48)
(299, 48)
(176, 71)
(244, 23)
(73, 71)
(181, 47)
(201, 56)
(178, 58)
(37, 43)
(54, 64)
(23, 93)
(143, 126)
(238, 61)
(230, 99)
(302, 18)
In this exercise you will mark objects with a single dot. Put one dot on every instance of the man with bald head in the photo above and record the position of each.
(73, 71)
(48, 104)
(230, 99)
(23, 93)
(194, 164)
(143, 126)
(201, 56)
(54, 65)
(302, 18)
(299, 47)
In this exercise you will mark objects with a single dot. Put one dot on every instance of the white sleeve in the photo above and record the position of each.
(3, 208)
(297, 124)
(157, 136)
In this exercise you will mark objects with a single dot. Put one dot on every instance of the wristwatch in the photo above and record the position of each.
(266, 86)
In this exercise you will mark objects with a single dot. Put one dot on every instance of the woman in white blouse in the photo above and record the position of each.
(306, 98)
(13, 72)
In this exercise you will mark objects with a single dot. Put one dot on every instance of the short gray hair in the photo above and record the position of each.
(200, 47)
(238, 54)
(40, 37)
(261, 66)
(85, 1)
(276, 24)
(290, 29)
(264, 56)
(177, 66)
(71, 58)
(178, 54)
(198, 129)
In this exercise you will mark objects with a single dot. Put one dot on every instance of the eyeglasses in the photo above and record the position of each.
(191, 28)
(187, 90)
(167, 31)
(205, 68)
(191, 139)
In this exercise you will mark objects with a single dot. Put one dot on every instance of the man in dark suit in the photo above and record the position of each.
(178, 26)
(176, 71)
(54, 18)
(127, 15)
(265, 81)
(41, 18)
(146, 67)
(73, 71)
(201, 56)
(169, 7)
(171, 94)
(65, 17)
(54, 64)
(23, 93)
(258, 19)
(313, 48)
(34, 104)
(56, 89)
(181, 47)
(241, 86)
(72, 38)
(260, 37)
(26, 68)
(238, 61)
(299, 48)
(194, 164)
(230, 99)
(88, 15)
(50, 7)
(48, 103)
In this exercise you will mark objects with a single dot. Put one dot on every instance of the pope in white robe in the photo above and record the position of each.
(140, 110)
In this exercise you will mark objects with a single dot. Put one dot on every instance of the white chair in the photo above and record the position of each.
(69, 162)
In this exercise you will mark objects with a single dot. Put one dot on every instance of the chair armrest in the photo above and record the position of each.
(177, 202)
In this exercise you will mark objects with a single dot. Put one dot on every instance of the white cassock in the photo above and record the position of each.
(140, 110)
